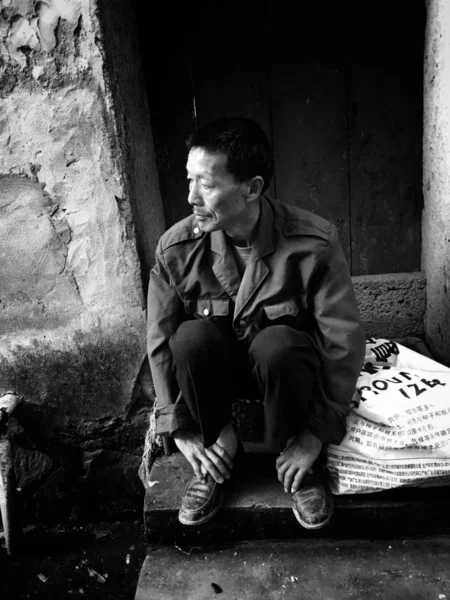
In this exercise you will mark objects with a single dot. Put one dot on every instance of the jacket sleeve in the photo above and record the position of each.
(340, 341)
(164, 314)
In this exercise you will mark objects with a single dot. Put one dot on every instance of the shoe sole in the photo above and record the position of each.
(206, 518)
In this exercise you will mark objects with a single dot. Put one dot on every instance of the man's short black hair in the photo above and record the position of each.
(245, 144)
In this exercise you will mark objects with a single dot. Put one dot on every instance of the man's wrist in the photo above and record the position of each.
(183, 434)
(312, 435)
(179, 434)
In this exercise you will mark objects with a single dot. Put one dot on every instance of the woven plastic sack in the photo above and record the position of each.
(398, 432)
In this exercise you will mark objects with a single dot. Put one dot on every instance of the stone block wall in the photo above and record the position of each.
(75, 201)
(392, 305)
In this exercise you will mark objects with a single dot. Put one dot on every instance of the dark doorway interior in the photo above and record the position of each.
(337, 86)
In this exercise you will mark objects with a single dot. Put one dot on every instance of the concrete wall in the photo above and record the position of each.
(436, 178)
(77, 192)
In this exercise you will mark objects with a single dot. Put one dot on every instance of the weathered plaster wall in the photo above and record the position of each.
(72, 324)
(436, 177)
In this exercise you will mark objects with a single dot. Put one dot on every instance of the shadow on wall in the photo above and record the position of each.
(80, 431)
(77, 448)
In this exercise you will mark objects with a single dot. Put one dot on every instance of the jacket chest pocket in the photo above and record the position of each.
(281, 310)
(207, 308)
(290, 312)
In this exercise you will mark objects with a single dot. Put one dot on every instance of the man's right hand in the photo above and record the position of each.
(214, 460)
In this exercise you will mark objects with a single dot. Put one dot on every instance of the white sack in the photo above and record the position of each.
(399, 432)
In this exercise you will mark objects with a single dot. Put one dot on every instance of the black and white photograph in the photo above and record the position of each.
(224, 300)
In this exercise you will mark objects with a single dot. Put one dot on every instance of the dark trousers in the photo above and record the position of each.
(212, 369)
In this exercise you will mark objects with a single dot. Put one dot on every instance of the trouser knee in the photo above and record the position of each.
(202, 366)
(277, 346)
(285, 368)
(194, 338)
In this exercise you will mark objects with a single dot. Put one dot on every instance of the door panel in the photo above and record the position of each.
(310, 141)
(229, 62)
(309, 109)
(338, 88)
(385, 136)
(168, 69)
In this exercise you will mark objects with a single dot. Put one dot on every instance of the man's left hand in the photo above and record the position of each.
(296, 459)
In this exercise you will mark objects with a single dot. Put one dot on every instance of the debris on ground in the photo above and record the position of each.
(87, 561)
(96, 575)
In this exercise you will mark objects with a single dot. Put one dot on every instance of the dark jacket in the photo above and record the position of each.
(297, 275)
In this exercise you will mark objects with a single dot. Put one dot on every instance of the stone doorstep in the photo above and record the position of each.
(259, 509)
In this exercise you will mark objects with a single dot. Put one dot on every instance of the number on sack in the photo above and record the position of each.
(381, 385)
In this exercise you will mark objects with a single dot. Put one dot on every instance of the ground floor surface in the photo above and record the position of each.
(104, 561)
(397, 569)
(100, 561)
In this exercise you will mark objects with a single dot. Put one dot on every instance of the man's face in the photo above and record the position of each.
(218, 201)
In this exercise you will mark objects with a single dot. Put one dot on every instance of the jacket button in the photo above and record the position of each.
(206, 311)
(196, 230)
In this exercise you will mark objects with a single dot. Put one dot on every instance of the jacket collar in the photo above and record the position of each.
(224, 264)
(264, 241)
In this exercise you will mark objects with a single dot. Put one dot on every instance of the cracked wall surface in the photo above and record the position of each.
(38, 288)
(79, 220)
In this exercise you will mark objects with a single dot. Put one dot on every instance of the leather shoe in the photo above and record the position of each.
(202, 501)
(313, 503)
(204, 498)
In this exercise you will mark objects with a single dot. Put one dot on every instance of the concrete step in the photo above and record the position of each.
(300, 569)
(259, 509)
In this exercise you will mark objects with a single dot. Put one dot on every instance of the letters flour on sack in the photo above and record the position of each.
(394, 380)
(399, 432)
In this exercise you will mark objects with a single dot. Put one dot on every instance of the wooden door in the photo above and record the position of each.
(337, 86)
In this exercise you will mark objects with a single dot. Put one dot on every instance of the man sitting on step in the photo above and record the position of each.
(250, 296)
